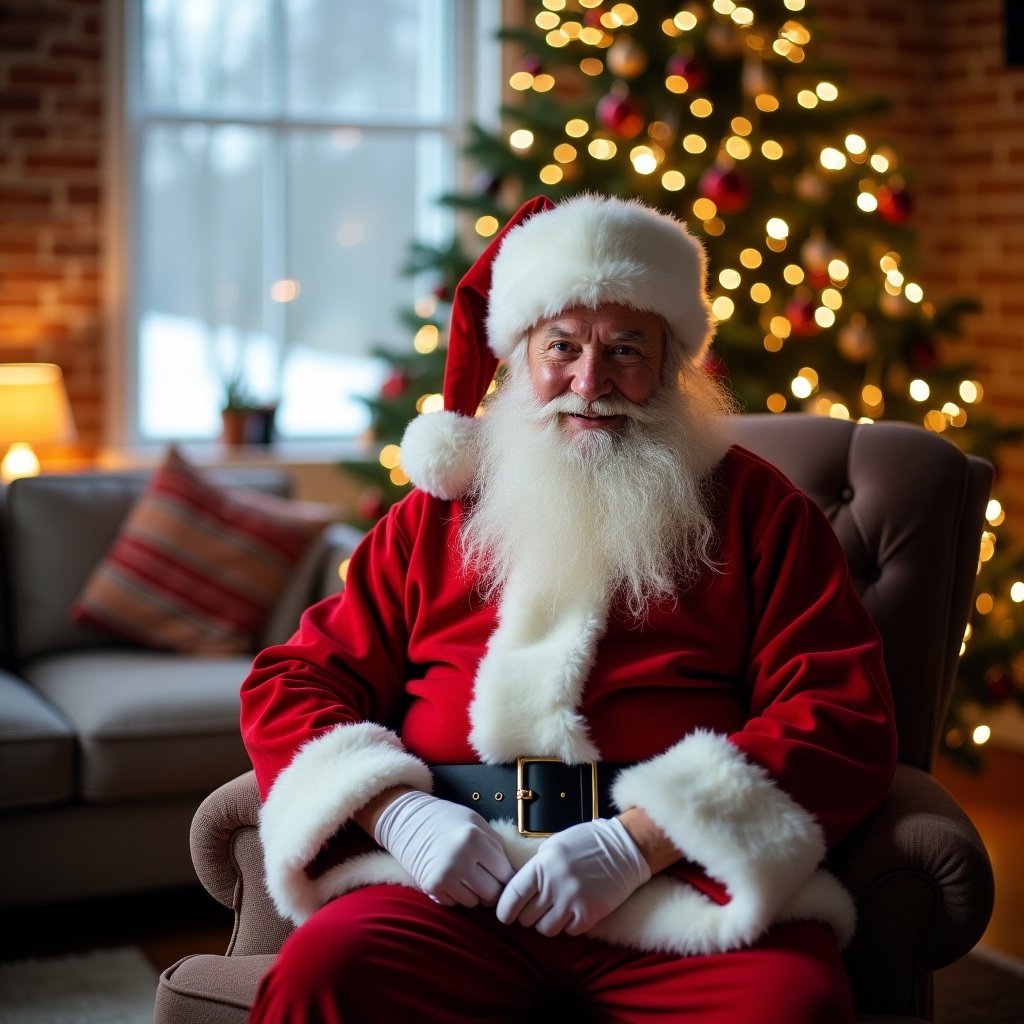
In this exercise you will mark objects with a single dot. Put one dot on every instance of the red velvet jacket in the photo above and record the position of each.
(757, 706)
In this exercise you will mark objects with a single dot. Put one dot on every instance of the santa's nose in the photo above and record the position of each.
(589, 381)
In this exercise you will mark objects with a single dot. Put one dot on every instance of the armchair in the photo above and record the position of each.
(908, 508)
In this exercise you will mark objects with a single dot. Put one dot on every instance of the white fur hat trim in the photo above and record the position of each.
(592, 250)
(439, 453)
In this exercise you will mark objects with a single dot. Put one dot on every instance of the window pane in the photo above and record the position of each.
(386, 59)
(202, 273)
(206, 53)
(356, 201)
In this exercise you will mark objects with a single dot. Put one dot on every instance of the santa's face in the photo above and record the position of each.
(609, 354)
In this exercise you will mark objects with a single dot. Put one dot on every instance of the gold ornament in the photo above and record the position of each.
(626, 58)
(856, 340)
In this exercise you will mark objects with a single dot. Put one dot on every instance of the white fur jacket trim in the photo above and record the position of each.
(328, 780)
(529, 685)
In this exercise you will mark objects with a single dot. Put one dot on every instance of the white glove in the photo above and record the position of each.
(453, 855)
(576, 878)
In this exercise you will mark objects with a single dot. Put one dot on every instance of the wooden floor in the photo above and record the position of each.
(168, 926)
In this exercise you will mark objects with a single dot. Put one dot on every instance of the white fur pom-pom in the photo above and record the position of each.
(439, 453)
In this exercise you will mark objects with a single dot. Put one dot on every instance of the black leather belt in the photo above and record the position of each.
(542, 794)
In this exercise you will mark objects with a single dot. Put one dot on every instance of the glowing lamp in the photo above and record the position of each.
(34, 409)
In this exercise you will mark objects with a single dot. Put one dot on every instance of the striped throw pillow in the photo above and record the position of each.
(196, 567)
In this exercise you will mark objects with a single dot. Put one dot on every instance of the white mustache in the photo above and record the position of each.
(574, 405)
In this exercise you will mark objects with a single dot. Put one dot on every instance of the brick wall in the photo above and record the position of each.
(958, 121)
(51, 190)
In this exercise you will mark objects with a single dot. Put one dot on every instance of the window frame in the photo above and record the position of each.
(477, 92)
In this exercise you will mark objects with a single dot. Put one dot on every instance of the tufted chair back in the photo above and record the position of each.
(908, 508)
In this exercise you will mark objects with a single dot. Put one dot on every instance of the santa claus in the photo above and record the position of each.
(599, 694)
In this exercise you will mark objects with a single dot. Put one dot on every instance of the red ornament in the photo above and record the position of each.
(621, 114)
(799, 312)
(531, 64)
(998, 684)
(370, 505)
(688, 68)
(394, 385)
(817, 278)
(728, 189)
(894, 204)
(442, 293)
(923, 355)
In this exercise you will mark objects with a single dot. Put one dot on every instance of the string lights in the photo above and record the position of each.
(719, 112)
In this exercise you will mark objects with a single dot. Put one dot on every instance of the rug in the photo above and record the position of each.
(106, 986)
(985, 987)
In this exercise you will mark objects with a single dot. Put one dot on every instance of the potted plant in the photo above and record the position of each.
(245, 421)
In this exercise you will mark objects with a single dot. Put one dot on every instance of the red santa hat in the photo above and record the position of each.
(588, 251)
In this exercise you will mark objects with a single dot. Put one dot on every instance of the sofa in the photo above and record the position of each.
(108, 748)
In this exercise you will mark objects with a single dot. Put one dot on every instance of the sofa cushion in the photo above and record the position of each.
(58, 527)
(195, 567)
(149, 724)
(37, 748)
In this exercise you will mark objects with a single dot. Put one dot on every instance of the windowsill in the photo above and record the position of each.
(313, 465)
(216, 453)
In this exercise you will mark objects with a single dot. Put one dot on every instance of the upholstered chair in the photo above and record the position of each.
(908, 507)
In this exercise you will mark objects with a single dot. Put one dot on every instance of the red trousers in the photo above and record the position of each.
(389, 954)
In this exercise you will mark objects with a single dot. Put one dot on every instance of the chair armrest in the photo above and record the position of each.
(922, 881)
(228, 859)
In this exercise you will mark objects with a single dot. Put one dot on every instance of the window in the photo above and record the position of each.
(281, 157)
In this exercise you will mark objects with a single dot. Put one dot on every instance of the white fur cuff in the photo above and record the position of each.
(328, 780)
(725, 812)
(439, 453)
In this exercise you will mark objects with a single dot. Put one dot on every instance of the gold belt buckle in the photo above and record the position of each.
(524, 795)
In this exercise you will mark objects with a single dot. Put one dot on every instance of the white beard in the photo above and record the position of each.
(622, 515)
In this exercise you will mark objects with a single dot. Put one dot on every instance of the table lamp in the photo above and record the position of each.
(34, 409)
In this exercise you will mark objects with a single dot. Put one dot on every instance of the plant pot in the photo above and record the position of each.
(235, 422)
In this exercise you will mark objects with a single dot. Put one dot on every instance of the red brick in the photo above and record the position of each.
(14, 42)
(76, 51)
(968, 157)
(79, 107)
(1000, 187)
(47, 163)
(82, 248)
(26, 276)
(34, 19)
(29, 195)
(84, 195)
(19, 101)
(29, 130)
(29, 75)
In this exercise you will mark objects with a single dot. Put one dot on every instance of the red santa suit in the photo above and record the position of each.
(755, 714)
(752, 714)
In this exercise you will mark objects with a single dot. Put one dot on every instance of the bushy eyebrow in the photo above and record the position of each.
(630, 334)
(557, 331)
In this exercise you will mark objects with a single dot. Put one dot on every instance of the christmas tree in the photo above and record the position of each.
(723, 115)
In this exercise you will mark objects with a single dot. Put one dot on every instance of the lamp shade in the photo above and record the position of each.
(34, 405)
